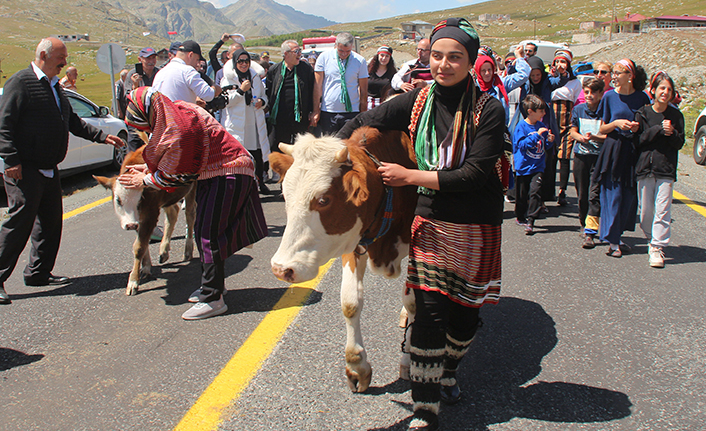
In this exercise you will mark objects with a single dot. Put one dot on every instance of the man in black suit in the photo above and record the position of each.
(35, 121)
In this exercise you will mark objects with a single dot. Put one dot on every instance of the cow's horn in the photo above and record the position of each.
(342, 155)
(287, 149)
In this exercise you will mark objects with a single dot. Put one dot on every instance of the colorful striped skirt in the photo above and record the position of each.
(228, 216)
(564, 142)
(461, 261)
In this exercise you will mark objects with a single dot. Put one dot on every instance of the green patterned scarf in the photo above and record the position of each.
(297, 96)
(345, 99)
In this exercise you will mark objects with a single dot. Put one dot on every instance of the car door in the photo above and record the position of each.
(83, 152)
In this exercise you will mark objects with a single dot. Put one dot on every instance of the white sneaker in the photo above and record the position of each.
(656, 257)
(194, 297)
(157, 234)
(204, 310)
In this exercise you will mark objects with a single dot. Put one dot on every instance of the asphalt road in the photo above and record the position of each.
(578, 341)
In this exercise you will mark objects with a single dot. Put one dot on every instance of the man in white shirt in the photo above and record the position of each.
(341, 87)
(179, 79)
(414, 73)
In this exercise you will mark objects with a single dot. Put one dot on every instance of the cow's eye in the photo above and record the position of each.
(119, 202)
(323, 201)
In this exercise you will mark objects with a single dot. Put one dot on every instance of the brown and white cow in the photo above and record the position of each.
(139, 210)
(334, 196)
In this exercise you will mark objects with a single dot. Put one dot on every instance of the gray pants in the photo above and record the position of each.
(655, 206)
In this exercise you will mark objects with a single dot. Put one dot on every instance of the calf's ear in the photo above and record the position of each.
(355, 187)
(280, 163)
(105, 182)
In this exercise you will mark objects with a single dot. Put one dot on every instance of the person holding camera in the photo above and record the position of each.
(142, 75)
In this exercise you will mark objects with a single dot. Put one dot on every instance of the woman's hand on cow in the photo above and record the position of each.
(393, 174)
(139, 168)
(132, 179)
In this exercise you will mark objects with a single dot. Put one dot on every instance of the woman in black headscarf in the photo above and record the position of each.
(244, 117)
(454, 259)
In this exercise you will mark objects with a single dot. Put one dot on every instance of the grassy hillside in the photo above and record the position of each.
(24, 23)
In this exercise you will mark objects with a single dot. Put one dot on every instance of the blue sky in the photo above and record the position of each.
(363, 10)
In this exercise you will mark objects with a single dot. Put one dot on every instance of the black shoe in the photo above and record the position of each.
(562, 200)
(588, 242)
(450, 394)
(4, 297)
(51, 280)
(264, 190)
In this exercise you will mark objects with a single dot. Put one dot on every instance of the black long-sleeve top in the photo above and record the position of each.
(657, 153)
(470, 194)
(33, 131)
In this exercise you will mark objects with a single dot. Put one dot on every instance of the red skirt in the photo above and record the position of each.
(461, 261)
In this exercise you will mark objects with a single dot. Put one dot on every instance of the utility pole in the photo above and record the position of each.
(612, 21)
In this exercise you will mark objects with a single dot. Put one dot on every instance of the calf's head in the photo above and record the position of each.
(324, 193)
(125, 202)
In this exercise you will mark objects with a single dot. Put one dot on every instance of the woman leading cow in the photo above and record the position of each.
(454, 262)
(187, 144)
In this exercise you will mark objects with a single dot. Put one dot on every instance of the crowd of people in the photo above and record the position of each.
(467, 110)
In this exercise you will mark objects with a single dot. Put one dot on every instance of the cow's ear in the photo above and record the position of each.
(280, 163)
(105, 182)
(355, 186)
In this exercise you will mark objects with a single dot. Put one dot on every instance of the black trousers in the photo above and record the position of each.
(332, 122)
(286, 131)
(259, 165)
(35, 210)
(564, 170)
(133, 140)
(589, 193)
(549, 177)
(528, 199)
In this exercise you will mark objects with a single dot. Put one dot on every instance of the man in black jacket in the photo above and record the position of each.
(35, 120)
(289, 105)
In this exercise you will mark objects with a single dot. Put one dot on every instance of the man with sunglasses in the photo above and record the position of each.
(414, 73)
(290, 95)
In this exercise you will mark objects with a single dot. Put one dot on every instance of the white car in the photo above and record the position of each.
(700, 139)
(82, 154)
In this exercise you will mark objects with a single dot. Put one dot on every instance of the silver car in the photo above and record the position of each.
(83, 155)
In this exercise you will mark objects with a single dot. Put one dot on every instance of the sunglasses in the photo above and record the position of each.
(296, 51)
(243, 61)
(601, 72)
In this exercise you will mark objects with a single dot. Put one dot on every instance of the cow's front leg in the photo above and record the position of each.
(190, 214)
(140, 248)
(172, 213)
(410, 308)
(358, 370)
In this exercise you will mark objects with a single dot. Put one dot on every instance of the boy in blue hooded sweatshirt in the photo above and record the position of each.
(529, 144)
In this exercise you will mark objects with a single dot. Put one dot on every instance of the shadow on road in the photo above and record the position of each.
(505, 357)
(10, 358)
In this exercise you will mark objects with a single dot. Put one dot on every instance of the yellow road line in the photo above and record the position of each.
(691, 204)
(235, 377)
(87, 207)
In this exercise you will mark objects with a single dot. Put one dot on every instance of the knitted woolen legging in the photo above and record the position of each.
(441, 334)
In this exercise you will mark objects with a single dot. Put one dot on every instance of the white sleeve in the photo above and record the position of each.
(199, 86)
(396, 81)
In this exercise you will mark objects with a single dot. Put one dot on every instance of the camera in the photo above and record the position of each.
(139, 70)
(221, 101)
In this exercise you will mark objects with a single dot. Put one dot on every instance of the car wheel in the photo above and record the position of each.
(700, 146)
(120, 153)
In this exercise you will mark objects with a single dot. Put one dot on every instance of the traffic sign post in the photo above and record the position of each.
(110, 59)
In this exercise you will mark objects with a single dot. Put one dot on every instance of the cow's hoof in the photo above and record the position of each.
(132, 287)
(146, 272)
(359, 382)
(404, 372)
(188, 256)
(164, 257)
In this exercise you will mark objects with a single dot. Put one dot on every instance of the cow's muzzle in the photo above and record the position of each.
(282, 273)
(131, 226)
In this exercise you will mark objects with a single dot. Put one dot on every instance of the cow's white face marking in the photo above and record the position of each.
(305, 244)
(125, 202)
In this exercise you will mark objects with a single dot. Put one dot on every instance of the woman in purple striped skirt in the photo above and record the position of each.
(187, 145)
